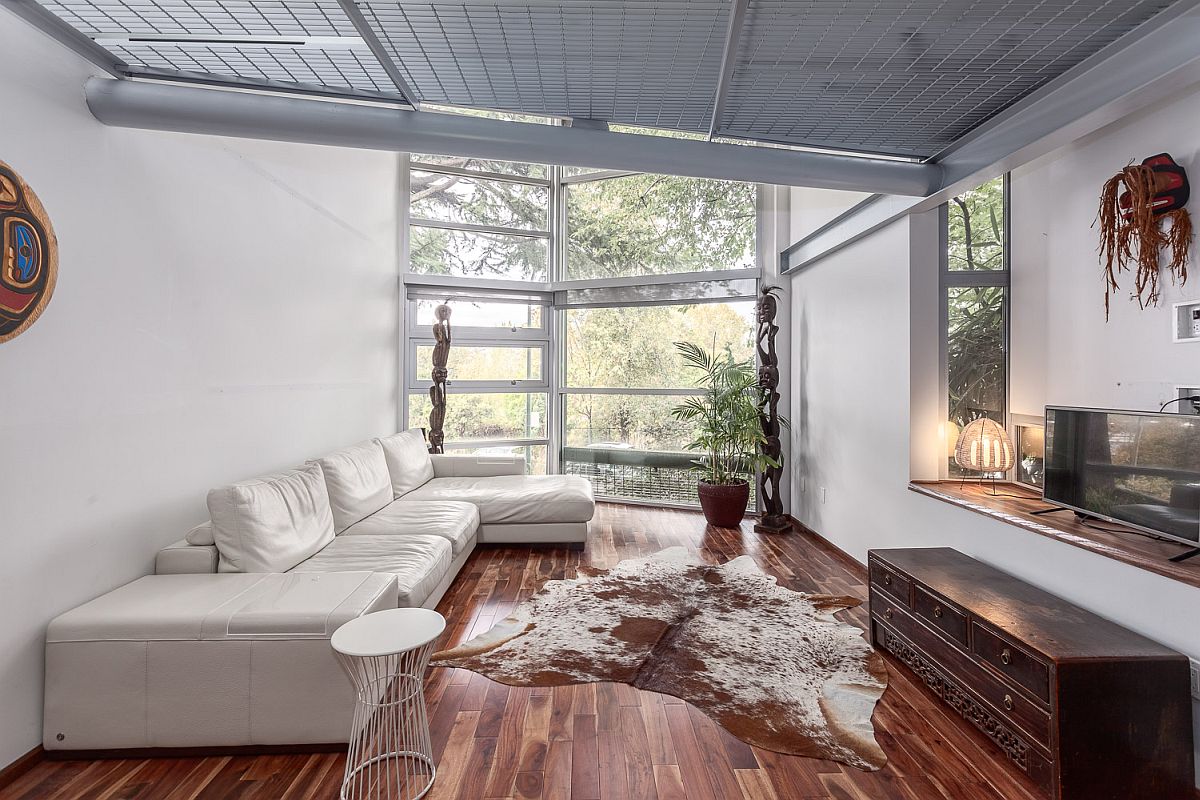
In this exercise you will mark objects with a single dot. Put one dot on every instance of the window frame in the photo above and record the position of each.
(552, 293)
(949, 279)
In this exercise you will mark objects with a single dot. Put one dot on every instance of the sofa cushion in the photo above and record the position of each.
(419, 563)
(457, 523)
(271, 523)
(516, 498)
(408, 460)
(358, 482)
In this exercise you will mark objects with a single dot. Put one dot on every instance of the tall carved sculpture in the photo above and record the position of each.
(437, 392)
(772, 520)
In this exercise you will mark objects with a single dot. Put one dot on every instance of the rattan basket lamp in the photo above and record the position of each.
(985, 447)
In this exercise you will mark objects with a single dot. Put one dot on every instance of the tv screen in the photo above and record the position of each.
(1137, 468)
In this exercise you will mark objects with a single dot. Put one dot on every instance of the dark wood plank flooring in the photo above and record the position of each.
(597, 741)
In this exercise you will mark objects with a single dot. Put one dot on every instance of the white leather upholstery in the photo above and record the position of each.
(407, 459)
(183, 558)
(272, 523)
(358, 482)
(476, 466)
(205, 661)
(536, 533)
(455, 522)
(516, 498)
(418, 562)
(202, 534)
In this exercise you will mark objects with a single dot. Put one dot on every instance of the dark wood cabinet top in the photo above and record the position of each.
(1057, 629)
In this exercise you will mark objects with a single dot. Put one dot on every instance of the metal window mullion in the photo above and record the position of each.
(624, 390)
(405, 308)
(599, 175)
(471, 227)
(463, 172)
(498, 443)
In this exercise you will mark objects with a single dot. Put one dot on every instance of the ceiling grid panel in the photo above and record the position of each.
(232, 39)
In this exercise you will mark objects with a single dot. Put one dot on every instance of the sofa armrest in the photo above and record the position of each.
(476, 466)
(182, 558)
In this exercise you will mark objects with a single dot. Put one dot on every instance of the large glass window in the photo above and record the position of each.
(623, 377)
(657, 225)
(473, 218)
(975, 297)
(575, 369)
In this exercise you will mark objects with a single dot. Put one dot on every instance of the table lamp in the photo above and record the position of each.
(984, 446)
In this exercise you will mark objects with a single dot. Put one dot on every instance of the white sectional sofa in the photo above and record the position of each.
(227, 645)
(383, 505)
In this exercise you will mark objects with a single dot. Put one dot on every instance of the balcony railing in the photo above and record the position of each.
(628, 474)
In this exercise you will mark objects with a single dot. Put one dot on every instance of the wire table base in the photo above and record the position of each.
(390, 755)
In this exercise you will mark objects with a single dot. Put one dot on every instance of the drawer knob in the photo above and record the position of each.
(937, 611)
(888, 613)
(1006, 656)
(1008, 702)
(887, 580)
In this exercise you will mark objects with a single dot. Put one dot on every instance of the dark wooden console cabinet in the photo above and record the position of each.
(1088, 709)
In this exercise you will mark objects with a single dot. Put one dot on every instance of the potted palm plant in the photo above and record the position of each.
(728, 432)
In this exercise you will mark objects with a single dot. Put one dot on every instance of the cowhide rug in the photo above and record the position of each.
(771, 665)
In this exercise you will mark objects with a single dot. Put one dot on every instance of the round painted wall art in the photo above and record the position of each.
(28, 255)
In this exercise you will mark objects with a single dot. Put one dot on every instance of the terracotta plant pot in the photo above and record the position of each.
(724, 504)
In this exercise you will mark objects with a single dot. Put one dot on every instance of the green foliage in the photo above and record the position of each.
(975, 355)
(728, 429)
(632, 225)
(658, 224)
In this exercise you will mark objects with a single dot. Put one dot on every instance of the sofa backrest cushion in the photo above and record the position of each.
(272, 523)
(408, 461)
(358, 482)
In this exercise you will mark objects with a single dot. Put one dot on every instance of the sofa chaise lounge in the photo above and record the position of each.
(227, 644)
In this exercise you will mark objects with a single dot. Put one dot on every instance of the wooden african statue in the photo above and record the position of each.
(772, 520)
(1134, 205)
(437, 392)
(28, 255)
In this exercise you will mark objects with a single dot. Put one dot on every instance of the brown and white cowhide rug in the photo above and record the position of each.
(771, 665)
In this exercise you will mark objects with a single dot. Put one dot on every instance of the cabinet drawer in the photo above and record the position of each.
(935, 611)
(1007, 704)
(1011, 661)
(891, 582)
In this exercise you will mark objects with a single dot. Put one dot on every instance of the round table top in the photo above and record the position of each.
(396, 630)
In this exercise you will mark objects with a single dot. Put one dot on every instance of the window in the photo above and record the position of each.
(497, 393)
(568, 288)
(473, 218)
(623, 377)
(975, 298)
(657, 225)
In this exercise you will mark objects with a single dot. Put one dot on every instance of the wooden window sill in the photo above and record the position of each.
(1131, 548)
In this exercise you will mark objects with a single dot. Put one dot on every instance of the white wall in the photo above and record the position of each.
(223, 308)
(1060, 337)
(865, 352)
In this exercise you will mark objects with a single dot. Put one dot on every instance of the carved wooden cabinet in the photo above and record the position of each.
(1086, 708)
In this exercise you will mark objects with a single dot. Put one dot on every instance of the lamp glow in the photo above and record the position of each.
(984, 446)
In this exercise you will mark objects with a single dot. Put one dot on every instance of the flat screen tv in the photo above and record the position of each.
(1137, 468)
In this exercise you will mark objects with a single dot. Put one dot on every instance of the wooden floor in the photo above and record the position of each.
(597, 741)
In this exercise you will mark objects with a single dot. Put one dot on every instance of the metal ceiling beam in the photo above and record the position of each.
(737, 15)
(381, 54)
(45, 21)
(262, 85)
(184, 109)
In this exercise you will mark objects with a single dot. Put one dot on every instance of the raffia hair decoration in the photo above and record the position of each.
(1131, 227)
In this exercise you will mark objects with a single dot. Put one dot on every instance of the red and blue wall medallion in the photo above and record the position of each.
(28, 255)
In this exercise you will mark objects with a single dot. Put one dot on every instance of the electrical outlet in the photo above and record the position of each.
(1195, 678)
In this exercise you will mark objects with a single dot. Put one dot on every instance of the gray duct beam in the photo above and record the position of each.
(153, 106)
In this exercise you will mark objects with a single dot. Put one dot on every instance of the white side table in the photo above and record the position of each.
(386, 654)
